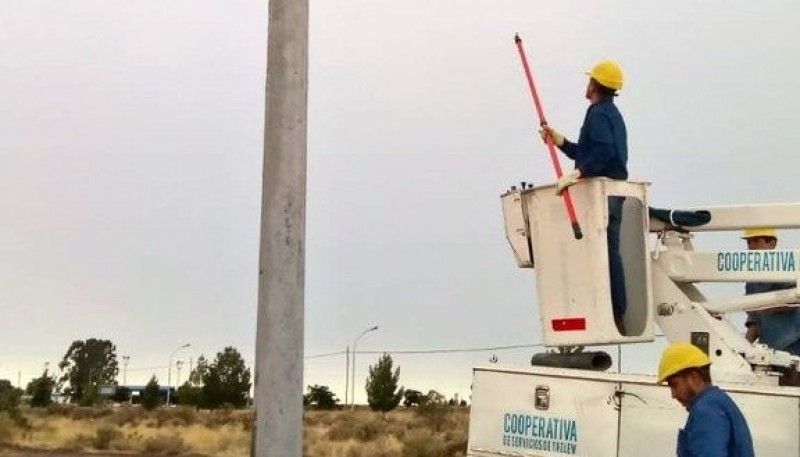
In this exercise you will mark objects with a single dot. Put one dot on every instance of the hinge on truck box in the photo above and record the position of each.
(701, 340)
(542, 397)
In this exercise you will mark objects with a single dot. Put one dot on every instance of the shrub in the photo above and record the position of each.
(315, 418)
(9, 398)
(384, 446)
(455, 442)
(91, 395)
(217, 418)
(41, 390)
(184, 416)
(133, 439)
(246, 420)
(226, 382)
(423, 443)
(151, 397)
(188, 394)
(435, 414)
(7, 428)
(342, 429)
(320, 397)
(362, 428)
(57, 409)
(382, 391)
(104, 436)
(78, 413)
(126, 415)
(79, 442)
(368, 430)
(164, 445)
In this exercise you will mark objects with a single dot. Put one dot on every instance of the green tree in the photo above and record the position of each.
(91, 395)
(189, 392)
(41, 390)
(320, 397)
(199, 372)
(88, 364)
(9, 398)
(226, 381)
(412, 397)
(382, 391)
(151, 397)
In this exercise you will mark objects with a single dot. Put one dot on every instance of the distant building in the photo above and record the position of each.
(133, 394)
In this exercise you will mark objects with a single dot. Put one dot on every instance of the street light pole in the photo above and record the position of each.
(169, 369)
(178, 366)
(125, 360)
(353, 378)
(347, 376)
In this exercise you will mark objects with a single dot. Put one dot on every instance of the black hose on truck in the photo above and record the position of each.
(594, 360)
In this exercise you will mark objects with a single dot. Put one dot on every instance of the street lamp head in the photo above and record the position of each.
(364, 332)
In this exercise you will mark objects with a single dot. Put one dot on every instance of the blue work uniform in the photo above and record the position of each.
(715, 427)
(778, 329)
(602, 147)
(602, 150)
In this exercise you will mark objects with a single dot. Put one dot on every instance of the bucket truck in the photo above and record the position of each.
(568, 403)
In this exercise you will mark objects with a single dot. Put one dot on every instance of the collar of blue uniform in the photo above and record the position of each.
(709, 388)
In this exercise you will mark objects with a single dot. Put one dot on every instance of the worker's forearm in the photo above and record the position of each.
(569, 148)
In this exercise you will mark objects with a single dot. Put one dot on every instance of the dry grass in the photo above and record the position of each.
(184, 431)
(175, 431)
(401, 433)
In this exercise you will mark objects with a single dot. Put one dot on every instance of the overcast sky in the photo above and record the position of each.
(131, 147)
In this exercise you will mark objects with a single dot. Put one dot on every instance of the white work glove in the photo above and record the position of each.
(567, 180)
(558, 139)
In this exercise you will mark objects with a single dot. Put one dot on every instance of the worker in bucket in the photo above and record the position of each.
(778, 328)
(601, 150)
(715, 426)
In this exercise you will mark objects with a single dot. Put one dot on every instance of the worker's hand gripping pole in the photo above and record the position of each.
(576, 228)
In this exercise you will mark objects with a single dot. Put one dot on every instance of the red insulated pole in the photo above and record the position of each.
(573, 218)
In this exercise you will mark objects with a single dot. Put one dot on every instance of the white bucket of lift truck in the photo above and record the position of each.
(574, 287)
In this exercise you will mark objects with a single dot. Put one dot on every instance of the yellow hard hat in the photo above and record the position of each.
(608, 73)
(678, 357)
(760, 231)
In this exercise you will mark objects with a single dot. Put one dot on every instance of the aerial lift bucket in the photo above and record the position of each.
(573, 280)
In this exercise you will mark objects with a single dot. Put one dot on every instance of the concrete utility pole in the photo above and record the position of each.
(279, 337)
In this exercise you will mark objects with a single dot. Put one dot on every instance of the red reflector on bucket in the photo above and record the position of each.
(568, 324)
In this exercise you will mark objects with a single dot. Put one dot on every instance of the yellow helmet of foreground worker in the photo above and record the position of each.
(760, 231)
(678, 357)
(608, 73)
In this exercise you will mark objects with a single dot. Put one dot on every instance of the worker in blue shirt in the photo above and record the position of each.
(715, 426)
(601, 150)
(778, 327)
